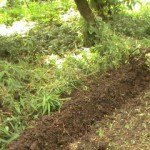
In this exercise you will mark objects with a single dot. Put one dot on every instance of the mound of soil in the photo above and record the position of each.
(126, 129)
(105, 93)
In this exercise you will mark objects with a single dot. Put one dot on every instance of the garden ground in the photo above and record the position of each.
(107, 114)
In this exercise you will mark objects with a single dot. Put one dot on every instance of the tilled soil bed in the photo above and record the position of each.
(104, 94)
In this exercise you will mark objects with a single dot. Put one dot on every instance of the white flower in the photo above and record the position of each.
(20, 27)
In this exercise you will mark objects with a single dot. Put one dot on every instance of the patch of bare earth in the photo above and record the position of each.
(65, 129)
(128, 128)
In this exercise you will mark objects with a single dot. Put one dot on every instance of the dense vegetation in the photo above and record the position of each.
(40, 68)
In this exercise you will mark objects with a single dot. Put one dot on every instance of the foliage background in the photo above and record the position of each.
(39, 69)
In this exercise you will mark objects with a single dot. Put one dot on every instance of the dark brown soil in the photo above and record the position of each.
(74, 120)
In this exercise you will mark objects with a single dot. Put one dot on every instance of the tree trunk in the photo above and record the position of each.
(85, 10)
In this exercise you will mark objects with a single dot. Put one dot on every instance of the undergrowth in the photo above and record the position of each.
(133, 24)
(39, 68)
(43, 12)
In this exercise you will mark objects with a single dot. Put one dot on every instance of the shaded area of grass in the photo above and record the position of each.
(41, 41)
(133, 24)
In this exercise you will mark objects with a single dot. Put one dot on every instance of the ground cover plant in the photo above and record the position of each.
(42, 66)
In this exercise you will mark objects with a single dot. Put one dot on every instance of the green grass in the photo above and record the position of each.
(28, 92)
(135, 24)
(44, 12)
